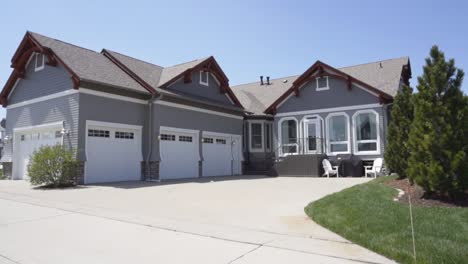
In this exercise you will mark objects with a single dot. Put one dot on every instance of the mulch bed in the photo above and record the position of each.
(418, 196)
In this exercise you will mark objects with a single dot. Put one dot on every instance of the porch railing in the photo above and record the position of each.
(309, 145)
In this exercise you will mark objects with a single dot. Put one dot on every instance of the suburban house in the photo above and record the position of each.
(128, 119)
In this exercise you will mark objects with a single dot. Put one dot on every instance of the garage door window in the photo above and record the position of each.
(185, 139)
(208, 140)
(98, 133)
(220, 141)
(167, 137)
(124, 135)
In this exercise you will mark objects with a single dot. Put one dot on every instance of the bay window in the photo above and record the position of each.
(366, 130)
(338, 134)
(256, 136)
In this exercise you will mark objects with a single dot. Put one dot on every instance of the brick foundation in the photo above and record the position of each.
(153, 173)
(80, 171)
(7, 169)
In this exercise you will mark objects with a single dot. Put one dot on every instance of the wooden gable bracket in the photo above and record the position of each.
(51, 59)
(382, 99)
(349, 83)
(76, 82)
(296, 90)
(188, 76)
(320, 71)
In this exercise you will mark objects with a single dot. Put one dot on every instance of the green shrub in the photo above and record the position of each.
(53, 166)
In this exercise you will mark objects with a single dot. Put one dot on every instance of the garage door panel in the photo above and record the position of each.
(220, 155)
(30, 140)
(113, 154)
(179, 154)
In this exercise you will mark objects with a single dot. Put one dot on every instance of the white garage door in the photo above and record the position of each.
(29, 140)
(113, 152)
(179, 151)
(221, 154)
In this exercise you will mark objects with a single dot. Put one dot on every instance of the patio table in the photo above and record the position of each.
(350, 167)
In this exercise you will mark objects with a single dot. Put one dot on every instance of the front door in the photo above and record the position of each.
(313, 135)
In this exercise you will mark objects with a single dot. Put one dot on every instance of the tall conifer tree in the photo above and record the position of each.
(437, 140)
(397, 150)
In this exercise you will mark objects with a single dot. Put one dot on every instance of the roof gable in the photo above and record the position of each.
(382, 81)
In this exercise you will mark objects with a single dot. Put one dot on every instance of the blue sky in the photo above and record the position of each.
(248, 38)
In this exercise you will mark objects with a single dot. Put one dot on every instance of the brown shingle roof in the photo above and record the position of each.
(256, 98)
(88, 64)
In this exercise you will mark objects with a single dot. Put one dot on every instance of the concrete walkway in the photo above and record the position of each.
(230, 220)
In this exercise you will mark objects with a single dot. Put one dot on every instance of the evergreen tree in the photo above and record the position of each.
(397, 151)
(437, 139)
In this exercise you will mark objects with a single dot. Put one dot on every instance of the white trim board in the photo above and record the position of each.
(192, 108)
(73, 91)
(43, 98)
(180, 130)
(42, 126)
(112, 125)
(333, 109)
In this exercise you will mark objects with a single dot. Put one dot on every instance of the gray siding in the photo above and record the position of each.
(210, 92)
(59, 109)
(187, 119)
(103, 109)
(47, 81)
(337, 96)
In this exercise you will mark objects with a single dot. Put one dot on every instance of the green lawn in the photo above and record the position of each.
(367, 215)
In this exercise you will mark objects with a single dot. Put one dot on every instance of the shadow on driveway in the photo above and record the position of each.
(143, 184)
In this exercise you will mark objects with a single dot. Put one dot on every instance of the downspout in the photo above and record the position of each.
(150, 132)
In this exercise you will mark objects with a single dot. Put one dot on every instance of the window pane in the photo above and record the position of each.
(267, 135)
(338, 147)
(338, 128)
(366, 126)
(288, 132)
(204, 77)
(322, 82)
(256, 135)
(367, 146)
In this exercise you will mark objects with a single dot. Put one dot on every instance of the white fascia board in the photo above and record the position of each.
(112, 125)
(43, 98)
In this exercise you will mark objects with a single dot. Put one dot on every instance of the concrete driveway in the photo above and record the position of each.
(227, 220)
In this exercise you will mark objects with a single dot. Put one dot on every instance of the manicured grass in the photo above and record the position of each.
(367, 215)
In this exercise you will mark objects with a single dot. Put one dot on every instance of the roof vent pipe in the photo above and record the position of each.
(268, 80)
(261, 80)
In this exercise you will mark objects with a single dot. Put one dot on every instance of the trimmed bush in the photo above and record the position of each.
(53, 166)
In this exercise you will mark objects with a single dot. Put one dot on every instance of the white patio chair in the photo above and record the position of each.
(375, 169)
(329, 169)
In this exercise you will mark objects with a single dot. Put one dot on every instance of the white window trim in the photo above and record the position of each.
(322, 131)
(321, 88)
(269, 135)
(280, 136)
(39, 68)
(356, 141)
(207, 78)
(262, 125)
(327, 125)
(333, 109)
